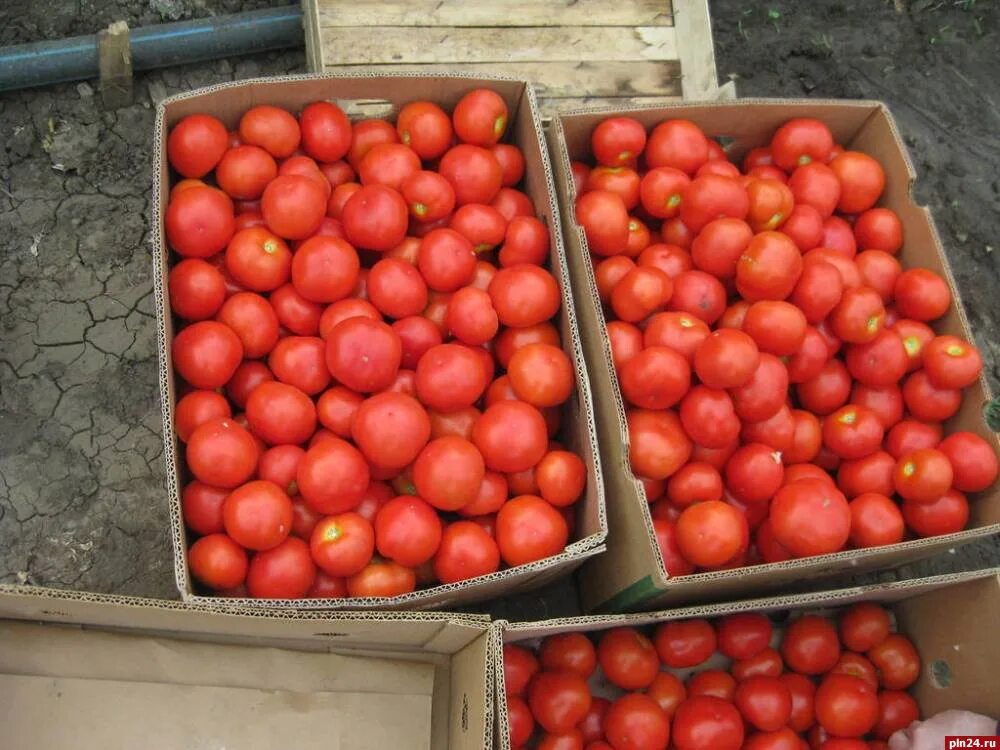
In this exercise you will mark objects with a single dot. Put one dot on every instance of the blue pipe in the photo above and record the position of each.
(75, 58)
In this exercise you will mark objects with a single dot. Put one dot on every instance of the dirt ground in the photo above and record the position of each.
(81, 479)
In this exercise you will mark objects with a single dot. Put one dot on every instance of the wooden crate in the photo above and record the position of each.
(577, 52)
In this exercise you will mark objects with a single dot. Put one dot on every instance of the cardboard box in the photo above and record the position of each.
(631, 574)
(91, 672)
(380, 95)
(951, 620)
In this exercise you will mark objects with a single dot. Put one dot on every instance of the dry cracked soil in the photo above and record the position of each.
(81, 477)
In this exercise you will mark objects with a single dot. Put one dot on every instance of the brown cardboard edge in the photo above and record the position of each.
(655, 587)
(520, 577)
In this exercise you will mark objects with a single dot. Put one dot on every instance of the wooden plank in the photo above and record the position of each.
(401, 45)
(559, 79)
(310, 24)
(697, 53)
(571, 103)
(494, 13)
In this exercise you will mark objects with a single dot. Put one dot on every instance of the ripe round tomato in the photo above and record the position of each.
(520, 722)
(879, 270)
(639, 292)
(529, 529)
(450, 377)
(951, 362)
(293, 206)
(480, 117)
(390, 429)
(695, 482)
(882, 361)
(467, 551)
(921, 295)
(388, 164)
(627, 658)
(474, 173)
(428, 195)
(666, 539)
(280, 464)
(699, 294)
(861, 181)
(710, 534)
(196, 144)
(766, 662)
(781, 739)
(859, 316)
(366, 134)
(558, 700)
(945, 515)
(712, 196)
(754, 473)
(655, 378)
(863, 626)
(363, 354)
(709, 418)
(658, 443)
(857, 666)
(661, 191)
(326, 131)
(719, 245)
(375, 218)
(221, 453)
(807, 438)
(927, 403)
(332, 476)
(713, 682)
(283, 572)
(604, 218)
(875, 521)
(622, 181)
(519, 666)
(253, 321)
(684, 643)
(325, 269)
(218, 562)
(512, 203)
(973, 461)
(280, 414)
(896, 711)
(511, 162)
(561, 477)
(636, 721)
(295, 312)
(816, 185)
(542, 375)
(618, 140)
(341, 545)
(382, 578)
(668, 691)
(810, 645)
(201, 506)
(271, 128)
(197, 289)
(511, 435)
(670, 259)
(707, 723)
(197, 407)
(804, 227)
(765, 702)
(425, 128)
(677, 143)
(879, 229)
(852, 432)
(777, 327)
(299, 361)
(923, 475)
(448, 472)
(771, 202)
(810, 517)
(258, 515)
(769, 267)
(743, 635)
(526, 240)
(524, 295)
(827, 391)
(568, 651)
(800, 141)
(846, 706)
(802, 691)
(726, 359)
(199, 221)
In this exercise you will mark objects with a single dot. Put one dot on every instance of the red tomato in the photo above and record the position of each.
(872, 473)
(802, 691)
(882, 361)
(810, 517)
(295, 312)
(712, 196)
(710, 534)
(622, 181)
(923, 475)
(707, 723)
(618, 140)
(810, 645)
(197, 407)
(743, 635)
(863, 626)
(973, 461)
(325, 269)
(526, 240)
(769, 267)
(765, 702)
(326, 131)
(196, 144)
(218, 562)
(542, 374)
(375, 218)
(771, 202)
(658, 444)
(448, 472)
(807, 438)
(636, 721)
(726, 359)
(474, 173)
(801, 141)
(529, 529)
(828, 390)
(922, 295)
(852, 432)
(712, 682)
(332, 476)
(363, 354)
(951, 362)
(425, 128)
(283, 572)
(804, 227)
(382, 578)
(341, 545)
(754, 473)
(766, 662)
(524, 295)
(293, 206)
(201, 506)
(254, 322)
(367, 134)
(604, 218)
(846, 706)
(299, 361)
(661, 190)
(520, 722)
(677, 143)
(700, 294)
(220, 453)
(655, 378)
(668, 692)
(388, 164)
(558, 700)
(199, 221)
(258, 515)
(561, 477)
(281, 414)
(391, 429)
(879, 270)
(816, 185)
(879, 229)
(511, 162)
(197, 289)
(781, 739)
(927, 403)
(666, 540)
(519, 666)
(861, 181)
(857, 666)
(684, 643)
(947, 514)
(568, 651)
(271, 128)
(245, 171)
(480, 117)
(896, 711)
(627, 658)
(466, 551)
(811, 358)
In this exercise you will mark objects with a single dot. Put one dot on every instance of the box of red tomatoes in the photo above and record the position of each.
(373, 386)
(785, 382)
(843, 669)
(93, 671)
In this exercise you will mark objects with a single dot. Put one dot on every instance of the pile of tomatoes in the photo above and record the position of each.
(698, 685)
(370, 371)
(785, 394)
